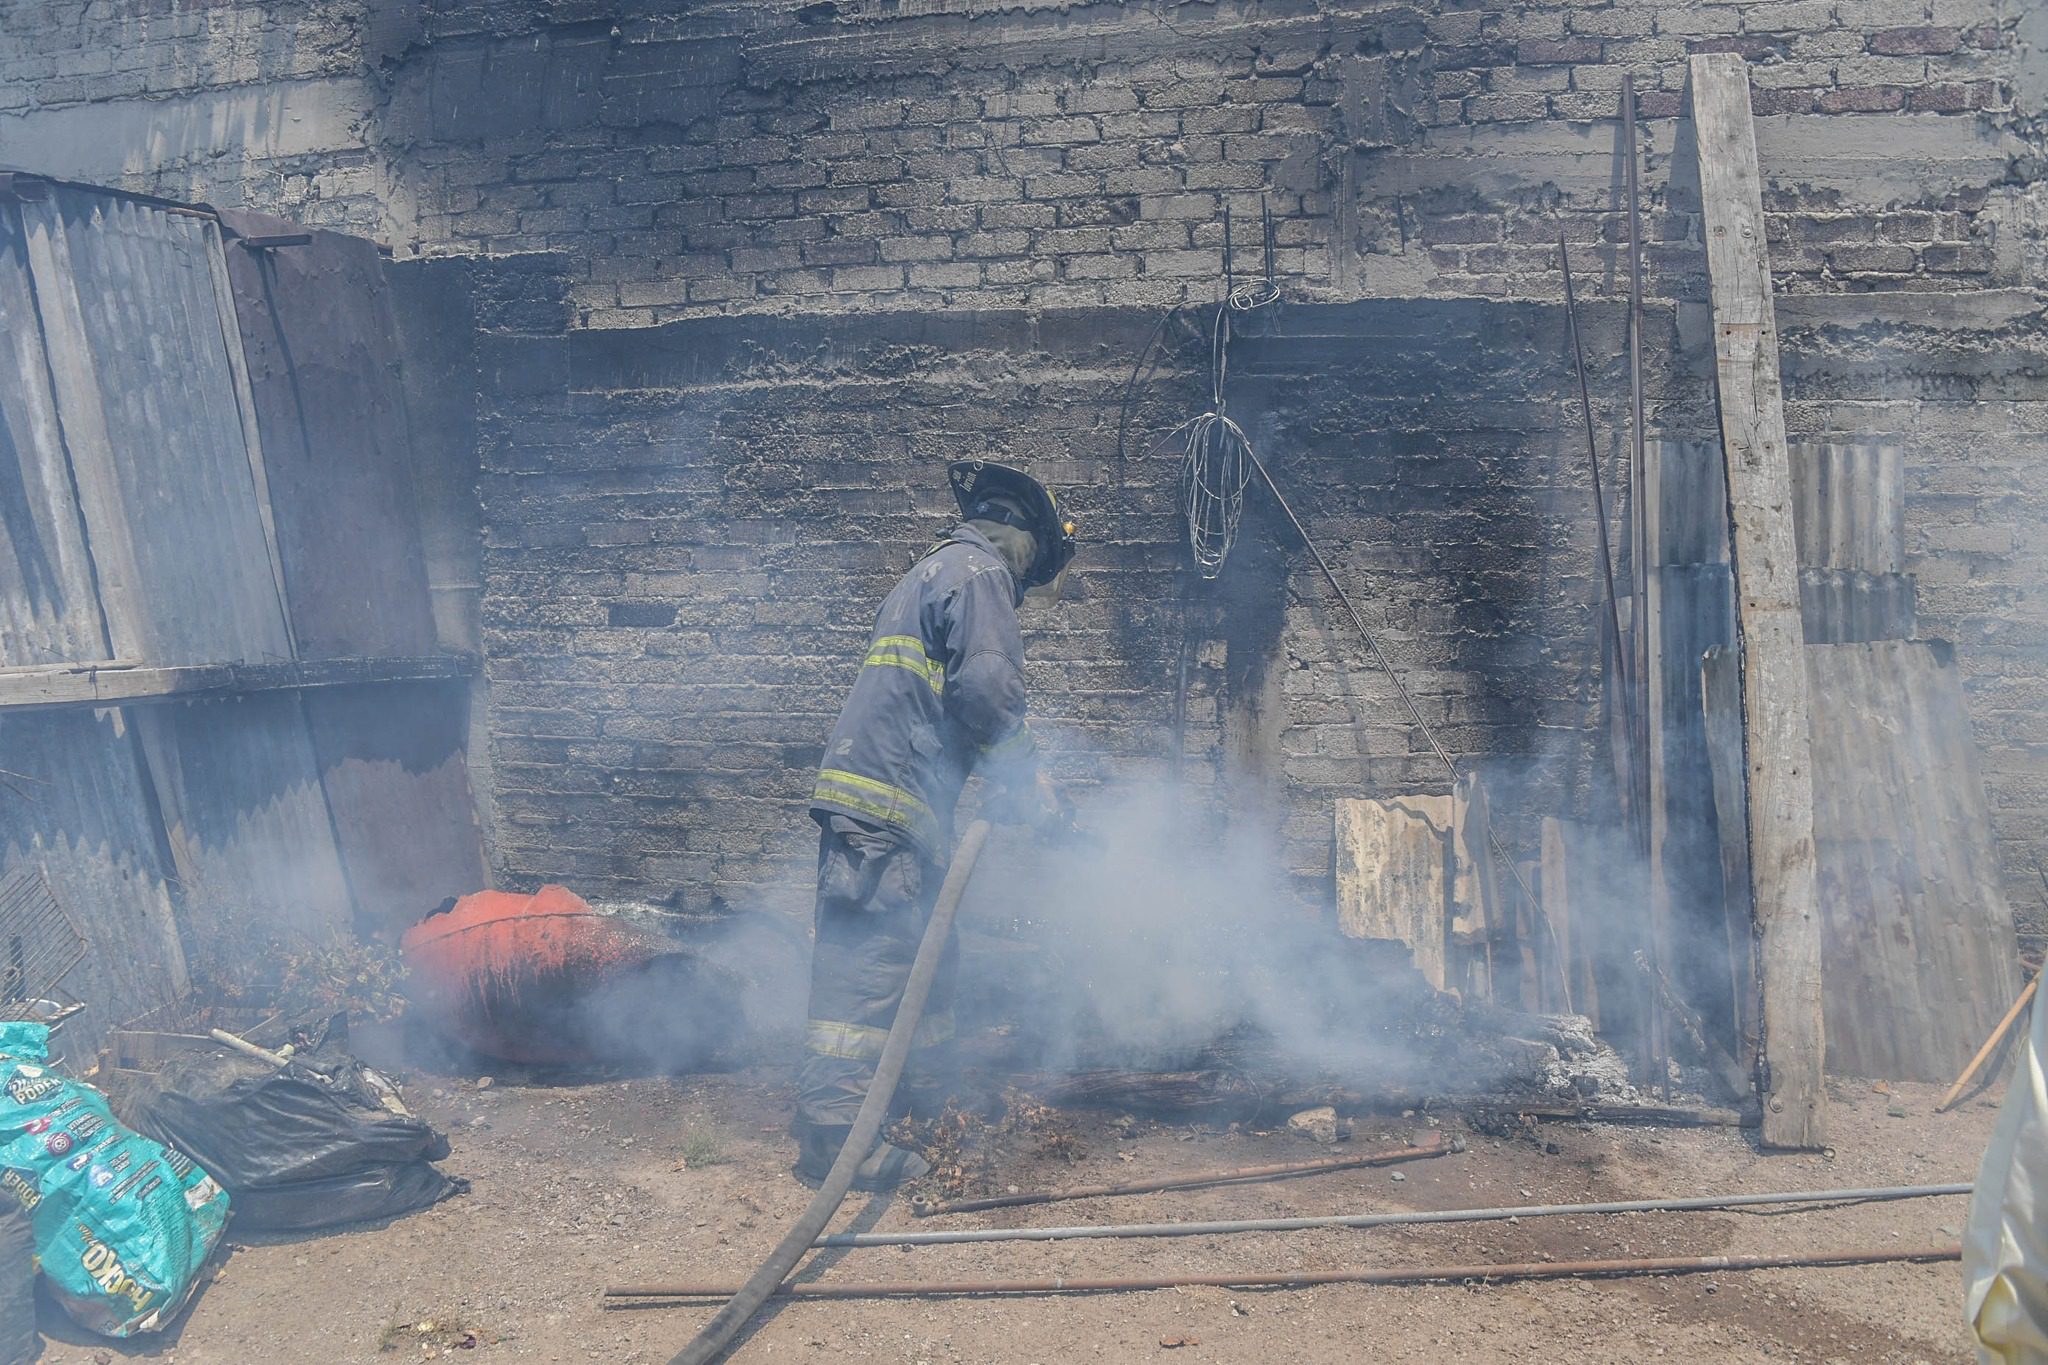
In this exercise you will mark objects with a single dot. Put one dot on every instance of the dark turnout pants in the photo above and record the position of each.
(875, 896)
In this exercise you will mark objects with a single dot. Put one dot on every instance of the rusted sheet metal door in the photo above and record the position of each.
(161, 447)
(323, 374)
(318, 334)
(161, 438)
(316, 327)
(1921, 958)
(49, 611)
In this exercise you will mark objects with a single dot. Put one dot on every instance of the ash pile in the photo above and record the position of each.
(1258, 1029)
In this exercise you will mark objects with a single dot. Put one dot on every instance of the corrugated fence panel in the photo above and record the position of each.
(247, 820)
(147, 391)
(49, 612)
(323, 371)
(76, 805)
(1920, 956)
(1848, 503)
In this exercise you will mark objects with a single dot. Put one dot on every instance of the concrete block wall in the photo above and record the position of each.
(688, 528)
(860, 237)
(748, 156)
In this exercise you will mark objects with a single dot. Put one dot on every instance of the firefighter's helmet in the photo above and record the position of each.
(994, 492)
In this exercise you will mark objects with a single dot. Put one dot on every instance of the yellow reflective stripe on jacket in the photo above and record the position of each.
(859, 1043)
(892, 805)
(907, 651)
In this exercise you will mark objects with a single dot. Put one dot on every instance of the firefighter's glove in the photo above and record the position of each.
(1037, 804)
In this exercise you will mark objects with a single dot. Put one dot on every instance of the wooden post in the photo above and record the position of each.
(1777, 744)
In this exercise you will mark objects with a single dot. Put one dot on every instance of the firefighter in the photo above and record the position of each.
(939, 696)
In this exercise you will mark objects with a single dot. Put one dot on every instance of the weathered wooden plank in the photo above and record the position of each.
(1572, 922)
(1919, 952)
(1777, 747)
(397, 782)
(1393, 874)
(56, 686)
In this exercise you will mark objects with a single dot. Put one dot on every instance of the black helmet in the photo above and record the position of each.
(998, 493)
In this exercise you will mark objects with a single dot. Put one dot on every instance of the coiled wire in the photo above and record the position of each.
(1216, 455)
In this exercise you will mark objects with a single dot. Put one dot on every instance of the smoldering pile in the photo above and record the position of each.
(1365, 1034)
(1178, 976)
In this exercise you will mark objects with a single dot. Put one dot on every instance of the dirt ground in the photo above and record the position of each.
(578, 1186)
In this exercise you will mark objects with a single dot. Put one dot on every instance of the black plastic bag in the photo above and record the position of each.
(19, 1343)
(299, 1148)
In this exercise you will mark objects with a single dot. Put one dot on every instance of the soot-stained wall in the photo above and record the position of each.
(688, 529)
(751, 271)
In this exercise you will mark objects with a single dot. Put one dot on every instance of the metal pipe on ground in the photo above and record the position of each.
(743, 1302)
(1702, 1204)
(667, 1295)
(1190, 1179)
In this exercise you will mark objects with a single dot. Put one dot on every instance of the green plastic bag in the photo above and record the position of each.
(122, 1224)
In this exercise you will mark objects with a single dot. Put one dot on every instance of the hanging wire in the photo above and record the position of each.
(1216, 455)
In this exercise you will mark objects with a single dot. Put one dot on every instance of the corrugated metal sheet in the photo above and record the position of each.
(78, 807)
(247, 820)
(1697, 613)
(316, 329)
(130, 298)
(49, 611)
(1919, 957)
(1848, 503)
(1692, 503)
(1842, 606)
(391, 761)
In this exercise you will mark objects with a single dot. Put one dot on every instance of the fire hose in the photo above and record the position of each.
(867, 1125)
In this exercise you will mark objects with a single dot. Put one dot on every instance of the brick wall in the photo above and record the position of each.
(701, 467)
(688, 530)
(752, 157)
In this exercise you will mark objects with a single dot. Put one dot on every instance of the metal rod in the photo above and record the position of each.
(1440, 1274)
(742, 1303)
(1221, 1228)
(1639, 460)
(1571, 317)
(1186, 1180)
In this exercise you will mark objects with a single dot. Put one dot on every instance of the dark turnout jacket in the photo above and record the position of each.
(940, 695)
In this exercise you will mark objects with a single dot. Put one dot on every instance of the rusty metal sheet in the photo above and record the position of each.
(1920, 956)
(391, 759)
(145, 373)
(49, 611)
(75, 804)
(317, 332)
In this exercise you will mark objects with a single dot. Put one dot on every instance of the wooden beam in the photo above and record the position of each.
(1777, 745)
(57, 686)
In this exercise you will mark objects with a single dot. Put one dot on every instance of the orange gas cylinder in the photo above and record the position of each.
(515, 977)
